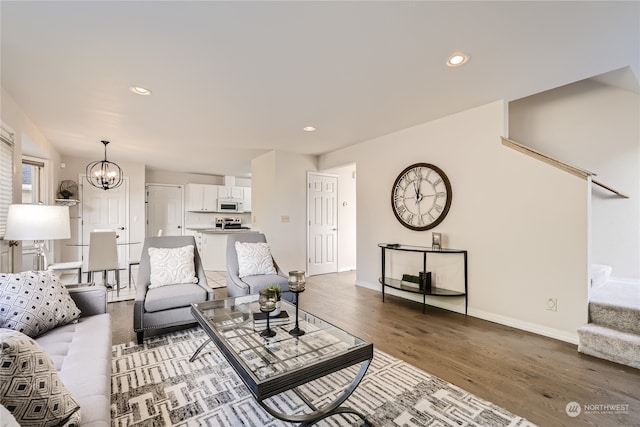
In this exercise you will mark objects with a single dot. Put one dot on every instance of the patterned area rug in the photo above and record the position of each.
(154, 384)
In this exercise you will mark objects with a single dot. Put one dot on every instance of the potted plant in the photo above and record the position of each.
(277, 290)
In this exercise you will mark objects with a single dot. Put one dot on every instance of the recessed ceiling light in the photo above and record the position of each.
(308, 128)
(139, 90)
(457, 59)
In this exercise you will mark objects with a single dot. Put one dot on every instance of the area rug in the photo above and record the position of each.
(154, 384)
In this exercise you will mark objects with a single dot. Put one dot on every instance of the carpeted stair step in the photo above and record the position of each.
(610, 344)
(622, 318)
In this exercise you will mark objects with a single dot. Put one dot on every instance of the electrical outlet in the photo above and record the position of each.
(438, 279)
(552, 304)
(285, 218)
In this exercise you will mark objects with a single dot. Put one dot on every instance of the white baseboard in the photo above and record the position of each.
(554, 333)
(625, 280)
(484, 315)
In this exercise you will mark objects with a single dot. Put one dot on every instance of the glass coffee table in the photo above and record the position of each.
(270, 366)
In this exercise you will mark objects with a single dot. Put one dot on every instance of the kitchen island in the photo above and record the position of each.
(212, 244)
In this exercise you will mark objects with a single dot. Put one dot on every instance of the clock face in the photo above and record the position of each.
(421, 196)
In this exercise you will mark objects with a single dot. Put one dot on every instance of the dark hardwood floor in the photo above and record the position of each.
(527, 374)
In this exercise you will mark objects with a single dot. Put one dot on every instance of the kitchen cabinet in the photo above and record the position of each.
(196, 235)
(246, 205)
(227, 192)
(201, 197)
(214, 251)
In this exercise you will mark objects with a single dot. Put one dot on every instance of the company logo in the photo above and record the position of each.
(573, 409)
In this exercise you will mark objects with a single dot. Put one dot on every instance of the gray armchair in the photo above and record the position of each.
(237, 286)
(170, 305)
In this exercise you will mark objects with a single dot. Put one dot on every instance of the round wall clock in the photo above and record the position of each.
(421, 196)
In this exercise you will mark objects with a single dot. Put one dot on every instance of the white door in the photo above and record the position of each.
(105, 210)
(164, 210)
(322, 211)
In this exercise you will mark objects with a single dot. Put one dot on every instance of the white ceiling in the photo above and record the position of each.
(232, 80)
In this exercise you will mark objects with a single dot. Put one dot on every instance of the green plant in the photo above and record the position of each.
(277, 289)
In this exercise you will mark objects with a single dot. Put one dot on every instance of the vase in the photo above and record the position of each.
(277, 310)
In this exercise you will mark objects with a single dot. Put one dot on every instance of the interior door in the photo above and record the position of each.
(105, 210)
(164, 210)
(322, 211)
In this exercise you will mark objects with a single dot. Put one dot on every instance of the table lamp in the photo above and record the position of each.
(38, 223)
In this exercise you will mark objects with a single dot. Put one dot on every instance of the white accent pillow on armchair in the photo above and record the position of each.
(254, 259)
(171, 266)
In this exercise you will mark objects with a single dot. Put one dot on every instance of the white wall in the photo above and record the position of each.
(279, 189)
(28, 141)
(523, 222)
(596, 127)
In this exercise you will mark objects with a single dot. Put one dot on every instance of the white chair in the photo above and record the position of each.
(103, 256)
(65, 266)
(59, 267)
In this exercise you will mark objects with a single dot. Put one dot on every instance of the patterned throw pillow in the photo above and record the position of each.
(30, 387)
(254, 259)
(171, 266)
(34, 302)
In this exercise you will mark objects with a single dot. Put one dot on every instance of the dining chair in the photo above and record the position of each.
(103, 256)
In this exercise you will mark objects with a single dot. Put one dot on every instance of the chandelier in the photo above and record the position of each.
(103, 173)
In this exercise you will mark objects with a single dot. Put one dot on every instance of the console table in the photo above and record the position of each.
(435, 291)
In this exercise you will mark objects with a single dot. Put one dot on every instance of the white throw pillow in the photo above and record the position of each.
(254, 259)
(171, 266)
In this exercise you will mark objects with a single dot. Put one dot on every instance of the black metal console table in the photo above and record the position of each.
(434, 291)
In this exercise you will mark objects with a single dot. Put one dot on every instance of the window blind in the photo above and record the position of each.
(6, 176)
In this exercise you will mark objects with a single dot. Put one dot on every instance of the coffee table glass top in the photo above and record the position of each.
(229, 322)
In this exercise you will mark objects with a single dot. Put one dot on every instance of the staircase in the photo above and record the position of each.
(613, 331)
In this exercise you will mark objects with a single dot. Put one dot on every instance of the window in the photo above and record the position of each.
(32, 181)
(6, 176)
(32, 192)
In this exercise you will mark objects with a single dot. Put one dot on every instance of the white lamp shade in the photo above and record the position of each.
(37, 222)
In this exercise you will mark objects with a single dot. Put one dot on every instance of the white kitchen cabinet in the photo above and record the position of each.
(246, 205)
(198, 236)
(227, 192)
(201, 197)
(214, 251)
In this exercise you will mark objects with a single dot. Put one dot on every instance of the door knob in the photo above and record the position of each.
(120, 228)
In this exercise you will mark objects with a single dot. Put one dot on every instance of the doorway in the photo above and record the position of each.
(322, 234)
(105, 210)
(165, 212)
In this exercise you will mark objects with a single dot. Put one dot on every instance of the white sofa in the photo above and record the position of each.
(81, 353)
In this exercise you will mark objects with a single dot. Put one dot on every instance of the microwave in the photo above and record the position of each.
(230, 205)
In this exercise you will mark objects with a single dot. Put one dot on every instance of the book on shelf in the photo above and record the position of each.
(260, 319)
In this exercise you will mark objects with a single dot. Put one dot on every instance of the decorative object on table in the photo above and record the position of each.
(267, 302)
(37, 223)
(68, 189)
(278, 291)
(103, 173)
(436, 241)
(296, 286)
(421, 196)
(425, 281)
(260, 320)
